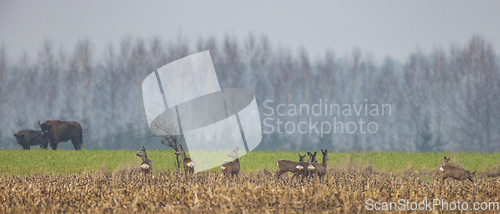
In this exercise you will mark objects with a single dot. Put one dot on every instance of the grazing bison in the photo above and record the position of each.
(27, 138)
(60, 131)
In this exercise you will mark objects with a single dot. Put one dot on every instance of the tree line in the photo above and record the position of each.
(448, 99)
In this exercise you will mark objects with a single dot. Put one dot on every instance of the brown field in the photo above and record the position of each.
(345, 189)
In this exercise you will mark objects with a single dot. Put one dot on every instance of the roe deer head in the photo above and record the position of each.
(312, 157)
(444, 163)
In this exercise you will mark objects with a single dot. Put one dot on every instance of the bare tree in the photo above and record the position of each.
(3, 70)
(3, 65)
(252, 52)
(50, 77)
(265, 64)
(177, 49)
(172, 136)
(305, 72)
(125, 75)
(157, 53)
(478, 121)
(82, 62)
(231, 62)
(142, 68)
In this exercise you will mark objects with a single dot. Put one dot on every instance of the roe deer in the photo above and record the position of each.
(232, 167)
(459, 174)
(312, 159)
(146, 165)
(288, 166)
(301, 168)
(319, 168)
(186, 162)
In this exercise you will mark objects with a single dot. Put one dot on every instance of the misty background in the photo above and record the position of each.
(444, 100)
(435, 63)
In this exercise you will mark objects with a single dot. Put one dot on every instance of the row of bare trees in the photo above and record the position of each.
(448, 99)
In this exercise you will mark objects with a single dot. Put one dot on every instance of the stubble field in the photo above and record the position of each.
(348, 185)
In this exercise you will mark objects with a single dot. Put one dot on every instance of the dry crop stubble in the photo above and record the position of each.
(345, 189)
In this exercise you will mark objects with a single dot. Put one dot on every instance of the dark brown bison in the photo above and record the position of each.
(60, 131)
(27, 138)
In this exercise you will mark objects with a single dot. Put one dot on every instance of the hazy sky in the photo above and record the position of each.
(394, 28)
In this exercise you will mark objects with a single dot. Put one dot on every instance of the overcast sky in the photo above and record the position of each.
(394, 28)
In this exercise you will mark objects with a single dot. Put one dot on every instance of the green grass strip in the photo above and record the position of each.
(63, 162)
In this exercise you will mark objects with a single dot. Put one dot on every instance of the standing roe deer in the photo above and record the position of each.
(288, 166)
(232, 167)
(186, 162)
(319, 168)
(312, 159)
(146, 165)
(459, 174)
(301, 168)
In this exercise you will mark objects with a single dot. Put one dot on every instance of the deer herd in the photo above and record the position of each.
(301, 169)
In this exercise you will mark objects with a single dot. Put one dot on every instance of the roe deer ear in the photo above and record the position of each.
(474, 172)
